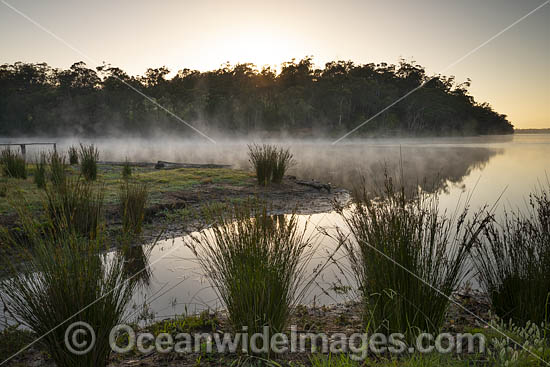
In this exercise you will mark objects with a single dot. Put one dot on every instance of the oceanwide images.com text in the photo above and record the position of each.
(80, 339)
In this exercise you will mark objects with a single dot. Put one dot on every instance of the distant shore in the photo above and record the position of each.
(532, 131)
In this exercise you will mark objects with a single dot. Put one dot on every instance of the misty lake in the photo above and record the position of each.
(478, 169)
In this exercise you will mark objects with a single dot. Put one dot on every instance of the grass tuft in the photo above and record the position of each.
(89, 155)
(73, 155)
(13, 165)
(255, 262)
(132, 202)
(65, 279)
(126, 170)
(513, 262)
(40, 172)
(394, 235)
(269, 162)
(57, 169)
(75, 206)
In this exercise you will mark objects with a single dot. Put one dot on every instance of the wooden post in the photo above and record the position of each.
(55, 147)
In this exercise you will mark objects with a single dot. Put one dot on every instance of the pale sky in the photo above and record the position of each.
(511, 72)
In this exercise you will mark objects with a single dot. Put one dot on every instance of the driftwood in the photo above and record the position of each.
(316, 185)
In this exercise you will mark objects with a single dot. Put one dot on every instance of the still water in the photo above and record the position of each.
(482, 169)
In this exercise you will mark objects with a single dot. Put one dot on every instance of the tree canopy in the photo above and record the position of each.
(239, 99)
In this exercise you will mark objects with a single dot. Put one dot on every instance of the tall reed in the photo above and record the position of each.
(57, 168)
(89, 155)
(63, 280)
(40, 172)
(407, 257)
(513, 262)
(126, 170)
(73, 155)
(76, 206)
(284, 160)
(13, 165)
(132, 203)
(262, 158)
(255, 262)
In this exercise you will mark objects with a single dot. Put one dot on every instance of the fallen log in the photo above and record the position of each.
(316, 185)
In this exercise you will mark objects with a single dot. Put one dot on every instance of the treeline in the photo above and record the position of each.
(240, 99)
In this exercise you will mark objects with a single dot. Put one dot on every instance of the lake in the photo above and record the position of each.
(481, 168)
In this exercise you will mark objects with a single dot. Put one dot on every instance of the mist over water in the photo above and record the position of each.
(485, 169)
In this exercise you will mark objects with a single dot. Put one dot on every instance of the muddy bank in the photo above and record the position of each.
(180, 211)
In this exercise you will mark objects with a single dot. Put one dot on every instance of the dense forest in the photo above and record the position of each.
(298, 98)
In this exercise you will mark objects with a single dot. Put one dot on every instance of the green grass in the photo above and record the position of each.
(513, 261)
(13, 165)
(132, 202)
(12, 340)
(393, 236)
(75, 206)
(58, 168)
(159, 183)
(65, 279)
(126, 170)
(40, 172)
(88, 156)
(73, 155)
(255, 262)
(269, 162)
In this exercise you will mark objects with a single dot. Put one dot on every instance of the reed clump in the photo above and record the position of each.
(513, 262)
(40, 172)
(126, 170)
(73, 155)
(13, 164)
(256, 263)
(269, 162)
(66, 278)
(75, 205)
(407, 257)
(132, 203)
(88, 156)
(57, 169)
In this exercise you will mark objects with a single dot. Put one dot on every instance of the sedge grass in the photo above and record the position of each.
(13, 164)
(126, 170)
(394, 235)
(57, 172)
(132, 203)
(73, 155)
(40, 172)
(284, 160)
(255, 262)
(62, 280)
(513, 262)
(88, 156)
(75, 205)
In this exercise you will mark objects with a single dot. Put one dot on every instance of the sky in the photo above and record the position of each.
(512, 72)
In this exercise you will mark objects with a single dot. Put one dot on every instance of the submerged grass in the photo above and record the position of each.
(393, 236)
(513, 262)
(255, 262)
(13, 165)
(88, 155)
(65, 279)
